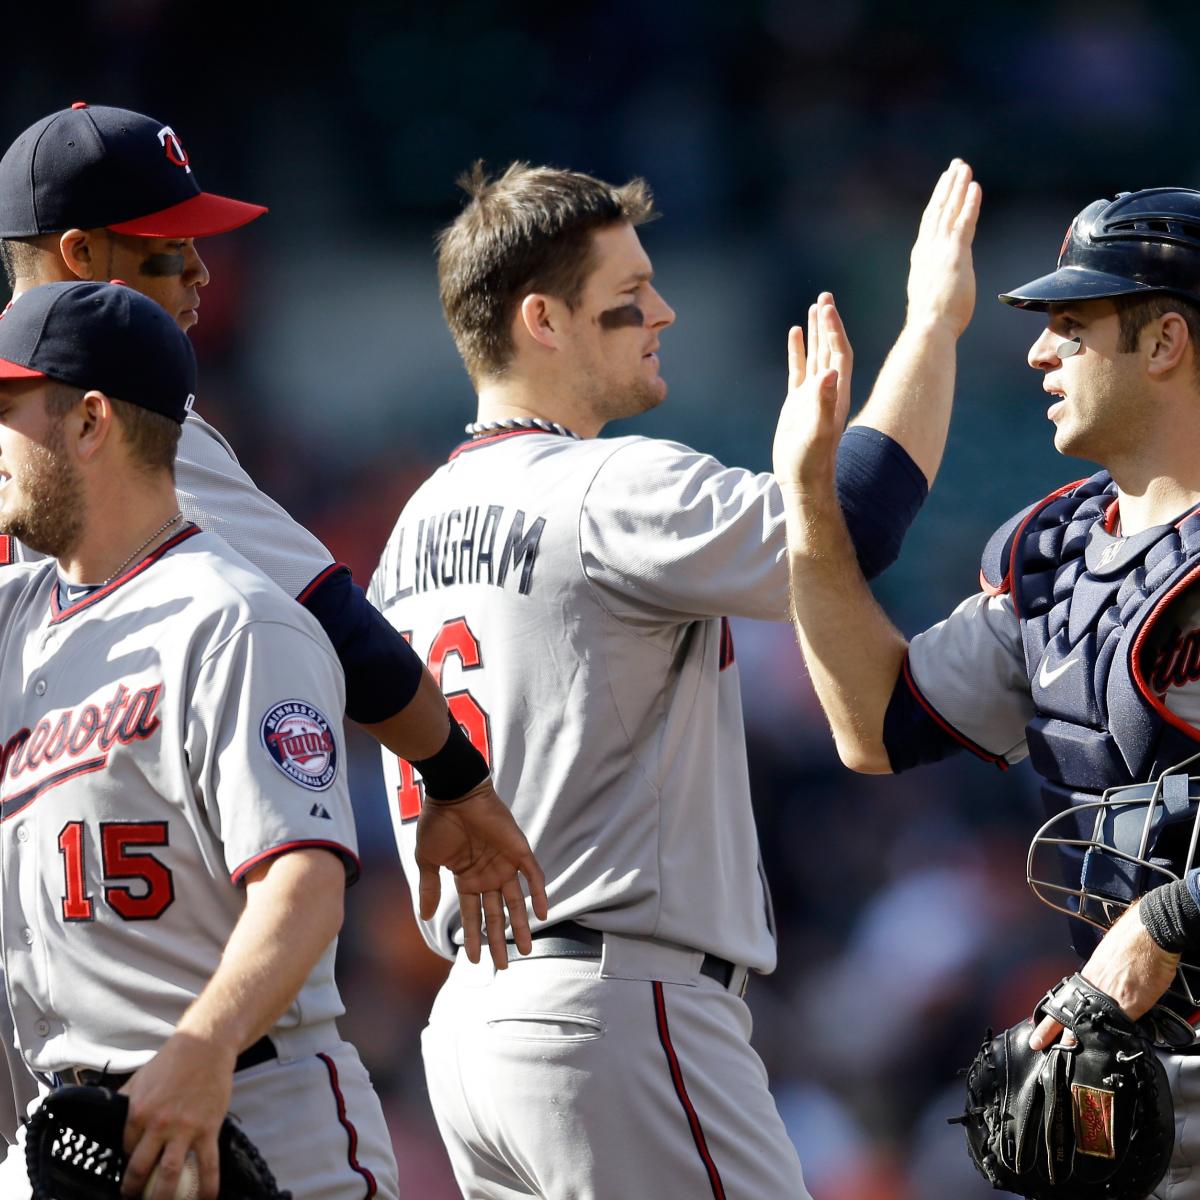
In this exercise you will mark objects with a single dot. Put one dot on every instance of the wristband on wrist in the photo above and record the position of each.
(454, 770)
(1171, 917)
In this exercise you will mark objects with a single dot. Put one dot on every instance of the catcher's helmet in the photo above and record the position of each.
(1147, 241)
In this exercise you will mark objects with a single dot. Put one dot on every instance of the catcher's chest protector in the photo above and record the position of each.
(1087, 600)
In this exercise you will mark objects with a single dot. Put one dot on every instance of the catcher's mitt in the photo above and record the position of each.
(74, 1151)
(1093, 1121)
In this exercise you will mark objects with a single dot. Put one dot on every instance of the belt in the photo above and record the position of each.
(262, 1051)
(569, 939)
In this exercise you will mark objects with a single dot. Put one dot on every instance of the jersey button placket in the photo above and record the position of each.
(39, 688)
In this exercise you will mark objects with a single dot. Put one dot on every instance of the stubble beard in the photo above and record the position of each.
(612, 402)
(51, 517)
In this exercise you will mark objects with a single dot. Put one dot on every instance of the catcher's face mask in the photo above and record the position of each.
(1093, 860)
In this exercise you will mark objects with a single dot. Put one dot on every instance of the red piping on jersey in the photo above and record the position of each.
(57, 614)
(312, 586)
(7, 557)
(945, 725)
(1006, 585)
(725, 657)
(287, 847)
(348, 1126)
(664, 1036)
(1135, 658)
(476, 443)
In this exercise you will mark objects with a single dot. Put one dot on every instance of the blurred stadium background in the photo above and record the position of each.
(791, 145)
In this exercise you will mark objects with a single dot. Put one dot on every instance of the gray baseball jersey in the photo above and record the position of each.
(216, 493)
(971, 669)
(161, 737)
(569, 597)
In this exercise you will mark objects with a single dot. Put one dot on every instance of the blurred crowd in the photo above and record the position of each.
(791, 145)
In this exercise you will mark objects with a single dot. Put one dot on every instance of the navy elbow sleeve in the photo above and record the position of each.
(881, 490)
(382, 670)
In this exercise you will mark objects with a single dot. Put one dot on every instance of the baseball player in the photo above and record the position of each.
(95, 192)
(571, 595)
(175, 824)
(1076, 651)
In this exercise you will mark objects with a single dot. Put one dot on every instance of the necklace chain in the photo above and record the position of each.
(512, 424)
(157, 533)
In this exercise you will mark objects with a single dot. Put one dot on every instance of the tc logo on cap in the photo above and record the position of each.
(1061, 250)
(170, 142)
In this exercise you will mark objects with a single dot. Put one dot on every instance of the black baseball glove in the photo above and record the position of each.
(1093, 1121)
(74, 1151)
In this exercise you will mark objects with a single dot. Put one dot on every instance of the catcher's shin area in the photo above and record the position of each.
(1088, 1121)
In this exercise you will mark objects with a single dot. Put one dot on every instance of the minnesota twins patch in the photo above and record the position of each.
(300, 742)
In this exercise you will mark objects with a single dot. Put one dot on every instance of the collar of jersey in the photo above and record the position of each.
(479, 442)
(61, 614)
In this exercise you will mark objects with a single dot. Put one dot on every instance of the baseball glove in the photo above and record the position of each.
(1093, 1121)
(74, 1151)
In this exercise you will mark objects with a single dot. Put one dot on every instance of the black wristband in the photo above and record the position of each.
(1171, 917)
(454, 770)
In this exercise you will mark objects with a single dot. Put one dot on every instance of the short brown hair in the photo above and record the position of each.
(153, 439)
(529, 230)
(1136, 311)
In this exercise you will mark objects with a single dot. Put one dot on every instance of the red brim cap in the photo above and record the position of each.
(198, 216)
(12, 370)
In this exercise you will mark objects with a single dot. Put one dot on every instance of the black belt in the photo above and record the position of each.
(569, 939)
(262, 1051)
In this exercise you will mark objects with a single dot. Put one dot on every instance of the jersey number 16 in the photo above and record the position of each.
(454, 639)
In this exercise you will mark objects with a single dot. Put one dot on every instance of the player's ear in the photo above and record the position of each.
(79, 249)
(1167, 345)
(92, 426)
(539, 318)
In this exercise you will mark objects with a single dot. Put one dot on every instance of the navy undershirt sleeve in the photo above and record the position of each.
(881, 490)
(382, 670)
(910, 735)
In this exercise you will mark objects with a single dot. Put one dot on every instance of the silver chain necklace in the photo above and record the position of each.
(513, 424)
(157, 533)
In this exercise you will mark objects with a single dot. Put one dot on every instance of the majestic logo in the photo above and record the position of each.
(169, 140)
(300, 742)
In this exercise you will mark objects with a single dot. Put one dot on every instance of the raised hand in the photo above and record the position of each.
(941, 277)
(818, 401)
(477, 839)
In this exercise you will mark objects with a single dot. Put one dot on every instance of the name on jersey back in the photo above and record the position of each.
(460, 546)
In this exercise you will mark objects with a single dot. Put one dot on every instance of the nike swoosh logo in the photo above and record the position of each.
(1046, 677)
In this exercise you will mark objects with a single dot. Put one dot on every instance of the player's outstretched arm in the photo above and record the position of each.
(465, 827)
(853, 651)
(914, 393)
(178, 1100)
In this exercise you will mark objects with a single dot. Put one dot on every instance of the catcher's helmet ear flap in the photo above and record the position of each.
(1147, 241)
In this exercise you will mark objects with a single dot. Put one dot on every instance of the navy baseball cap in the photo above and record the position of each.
(102, 337)
(91, 166)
